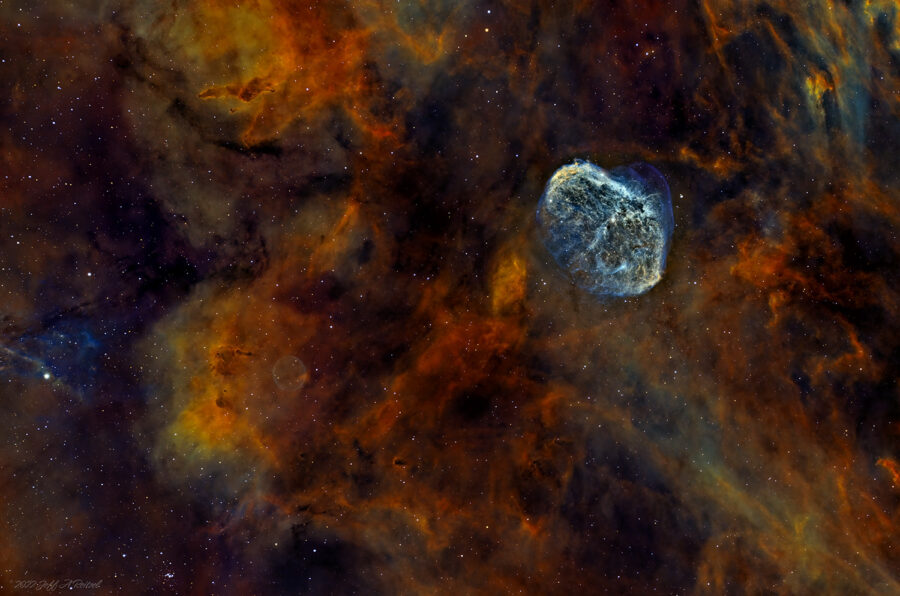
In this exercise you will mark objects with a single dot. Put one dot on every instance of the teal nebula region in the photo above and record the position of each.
(610, 231)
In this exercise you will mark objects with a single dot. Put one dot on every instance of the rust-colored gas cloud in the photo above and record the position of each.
(276, 317)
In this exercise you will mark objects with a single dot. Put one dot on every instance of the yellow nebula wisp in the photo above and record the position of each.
(220, 404)
(272, 62)
(508, 283)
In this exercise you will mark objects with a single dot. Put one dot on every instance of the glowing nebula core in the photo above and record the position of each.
(609, 230)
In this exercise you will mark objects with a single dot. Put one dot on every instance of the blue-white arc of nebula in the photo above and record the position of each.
(610, 231)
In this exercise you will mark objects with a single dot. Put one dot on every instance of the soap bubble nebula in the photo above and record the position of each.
(289, 373)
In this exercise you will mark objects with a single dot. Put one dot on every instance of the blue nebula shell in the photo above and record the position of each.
(609, 230)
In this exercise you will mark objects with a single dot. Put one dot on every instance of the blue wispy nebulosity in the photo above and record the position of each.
(609, 230)
(67, 351)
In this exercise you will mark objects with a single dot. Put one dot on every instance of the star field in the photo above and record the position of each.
(276, 316)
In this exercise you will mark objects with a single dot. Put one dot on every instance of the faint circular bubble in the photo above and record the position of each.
(609, 230)
(289, 373)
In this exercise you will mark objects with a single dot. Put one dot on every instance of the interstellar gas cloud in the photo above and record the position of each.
(450, 297)
(610, 231)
